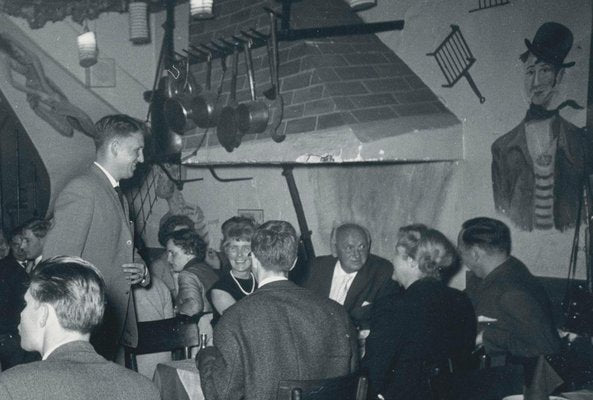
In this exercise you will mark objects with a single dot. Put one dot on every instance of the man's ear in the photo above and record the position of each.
(114, 147)
(476, 253)
(44, 311)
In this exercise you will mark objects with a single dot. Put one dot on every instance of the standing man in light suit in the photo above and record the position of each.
(91, 221)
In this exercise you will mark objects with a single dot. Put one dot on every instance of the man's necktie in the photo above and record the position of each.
(30, 266)
(121, 197)
(344, 289)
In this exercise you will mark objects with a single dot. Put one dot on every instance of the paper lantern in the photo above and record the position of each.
(201, 9)
(359, 5)
(138, 22)
(87, 48)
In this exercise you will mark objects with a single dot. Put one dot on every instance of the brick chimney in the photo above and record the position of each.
(335, 87)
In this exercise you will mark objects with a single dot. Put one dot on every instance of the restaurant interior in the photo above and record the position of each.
(381, 112)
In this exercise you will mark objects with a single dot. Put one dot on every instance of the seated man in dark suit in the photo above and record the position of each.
(64, 303)
(13, 284)
(4, 247)
(351, 275)
(281, 331)
(33, 233)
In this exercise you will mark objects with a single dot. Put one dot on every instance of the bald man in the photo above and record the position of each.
(351, 275)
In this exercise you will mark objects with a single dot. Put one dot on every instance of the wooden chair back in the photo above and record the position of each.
(348, 387)
(179, 333)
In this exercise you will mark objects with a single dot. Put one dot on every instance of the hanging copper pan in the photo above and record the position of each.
(227, 128)
(252, 116)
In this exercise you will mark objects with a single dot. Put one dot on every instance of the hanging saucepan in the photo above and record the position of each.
(277, 105)
(226, 130)
(180, 109)
(252, 116)
(207, 110)
(180, 112)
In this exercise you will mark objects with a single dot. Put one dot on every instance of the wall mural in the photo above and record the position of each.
(539, 167)
(25, 73)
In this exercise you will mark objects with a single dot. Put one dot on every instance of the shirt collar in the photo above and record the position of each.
(271, 279)
(340, 273)
(112, 180)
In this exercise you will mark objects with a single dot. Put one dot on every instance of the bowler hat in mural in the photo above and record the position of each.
(551, 44)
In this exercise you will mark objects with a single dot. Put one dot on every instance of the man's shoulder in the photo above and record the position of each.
(320, 269)
(324, 261)
(508, 138)
(513, 275)
(69, 363)
(86, 181)
(276, 292)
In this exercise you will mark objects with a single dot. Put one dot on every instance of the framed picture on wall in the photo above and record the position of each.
(255, 213)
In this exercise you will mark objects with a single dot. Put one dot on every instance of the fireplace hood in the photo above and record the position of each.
(346, 98)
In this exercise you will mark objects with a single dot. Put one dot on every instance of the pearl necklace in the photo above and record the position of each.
(241, 287)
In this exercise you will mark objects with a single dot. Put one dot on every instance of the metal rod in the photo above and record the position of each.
(300, 212)
(259, 34)
(218, 178)
(339, 30)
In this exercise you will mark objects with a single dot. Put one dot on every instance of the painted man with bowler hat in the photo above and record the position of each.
(539, 167)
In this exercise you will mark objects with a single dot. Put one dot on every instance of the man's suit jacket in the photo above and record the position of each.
(13, 285)
(281, 331)
(89, 222)
(513, 177)
(74, 371)
(524, 324)
(372, 282)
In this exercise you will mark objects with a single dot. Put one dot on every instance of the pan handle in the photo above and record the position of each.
(249, 63)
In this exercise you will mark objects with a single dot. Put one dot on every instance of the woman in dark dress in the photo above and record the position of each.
(186, 252)
(239, 281)
(429, 326)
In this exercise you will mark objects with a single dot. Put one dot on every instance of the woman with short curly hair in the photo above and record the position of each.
(186, 251)
(429, 326)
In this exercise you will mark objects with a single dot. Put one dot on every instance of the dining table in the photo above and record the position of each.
(178, 380)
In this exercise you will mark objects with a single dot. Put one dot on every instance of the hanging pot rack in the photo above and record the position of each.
(223, 47)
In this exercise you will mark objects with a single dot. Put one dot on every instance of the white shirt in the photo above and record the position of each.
(37, 260)
(271, 279)
(112, 180)
(341, 282)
